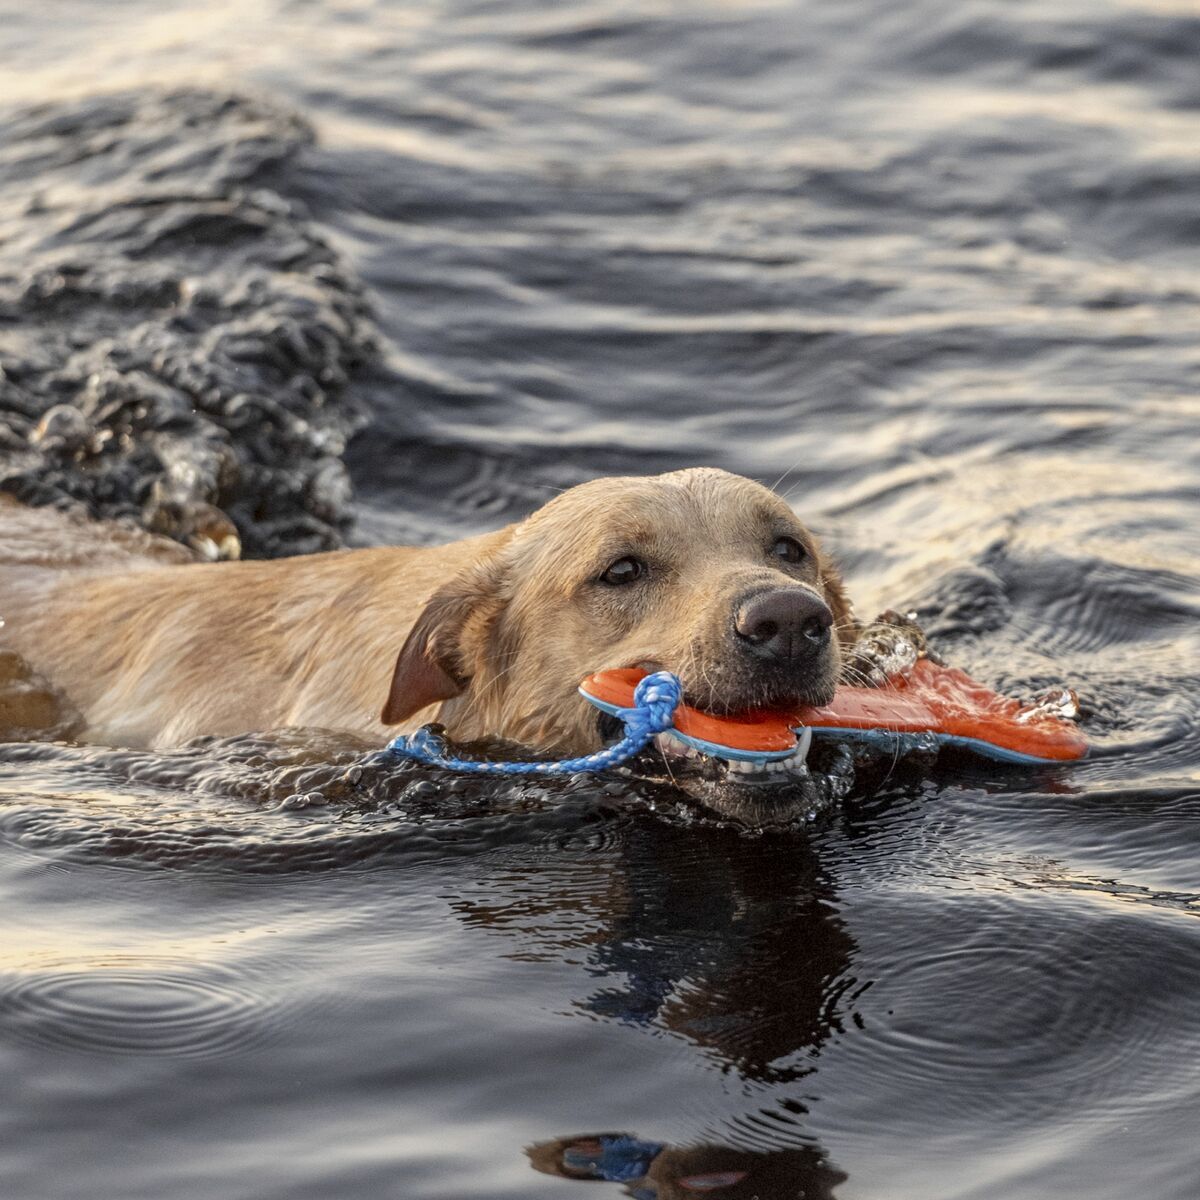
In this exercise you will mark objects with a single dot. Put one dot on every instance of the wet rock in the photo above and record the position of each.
(31, 709)
(63, 431)
(177, 339)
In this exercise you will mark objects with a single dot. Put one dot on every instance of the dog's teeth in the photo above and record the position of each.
(671, 747)
(802, 747)
(736, 766)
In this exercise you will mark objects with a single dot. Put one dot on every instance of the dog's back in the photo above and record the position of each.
(37, 547)
(40, 540)
(154, 646)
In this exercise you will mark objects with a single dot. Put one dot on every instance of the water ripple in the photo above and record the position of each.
(128, 1005)
(1032, 1010)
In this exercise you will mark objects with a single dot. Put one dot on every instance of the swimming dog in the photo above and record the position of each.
(700, 572)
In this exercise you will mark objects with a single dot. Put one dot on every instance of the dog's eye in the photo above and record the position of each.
(788, 549)
(624, 570)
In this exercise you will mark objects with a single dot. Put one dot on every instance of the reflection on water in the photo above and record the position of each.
(740, 951)
(653, 1171)
(733, 945)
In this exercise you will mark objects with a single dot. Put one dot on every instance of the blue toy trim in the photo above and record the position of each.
(655, 700)
(887, 737)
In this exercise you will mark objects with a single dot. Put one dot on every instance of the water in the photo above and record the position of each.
(934, 271)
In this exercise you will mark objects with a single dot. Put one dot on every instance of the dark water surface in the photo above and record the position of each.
(936, 269)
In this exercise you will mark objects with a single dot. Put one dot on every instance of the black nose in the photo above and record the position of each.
(784, 623)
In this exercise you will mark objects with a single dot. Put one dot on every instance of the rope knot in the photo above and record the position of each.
(655, 700)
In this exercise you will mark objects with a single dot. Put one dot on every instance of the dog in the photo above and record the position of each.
(700, 572)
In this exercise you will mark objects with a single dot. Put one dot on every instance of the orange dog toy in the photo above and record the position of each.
(932, 699)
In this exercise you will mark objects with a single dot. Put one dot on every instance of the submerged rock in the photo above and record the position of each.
(176, 338)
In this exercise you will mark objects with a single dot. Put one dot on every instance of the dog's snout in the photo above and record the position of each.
(784, 623)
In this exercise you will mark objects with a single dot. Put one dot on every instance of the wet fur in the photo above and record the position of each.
(489, 635)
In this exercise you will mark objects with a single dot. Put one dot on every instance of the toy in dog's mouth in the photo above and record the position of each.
(930, 705)
(755, 747)
(913, 714)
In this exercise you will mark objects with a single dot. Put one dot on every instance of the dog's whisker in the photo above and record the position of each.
(779, 482)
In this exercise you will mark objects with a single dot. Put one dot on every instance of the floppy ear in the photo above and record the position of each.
(426, 668)
(438, 658)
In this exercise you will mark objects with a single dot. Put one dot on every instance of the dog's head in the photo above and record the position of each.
(699, 572)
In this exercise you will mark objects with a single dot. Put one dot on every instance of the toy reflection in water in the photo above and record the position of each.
(656, 1171)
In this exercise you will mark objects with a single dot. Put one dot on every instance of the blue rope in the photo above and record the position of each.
(654, 702)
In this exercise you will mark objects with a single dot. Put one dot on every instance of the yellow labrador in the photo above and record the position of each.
(700, 572)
